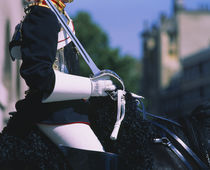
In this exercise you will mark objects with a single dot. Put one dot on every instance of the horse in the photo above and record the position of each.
(141, 144)
(156, 143)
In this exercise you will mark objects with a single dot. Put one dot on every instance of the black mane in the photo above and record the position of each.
(135, 135)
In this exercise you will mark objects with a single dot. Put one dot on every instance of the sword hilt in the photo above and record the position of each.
(111, 74)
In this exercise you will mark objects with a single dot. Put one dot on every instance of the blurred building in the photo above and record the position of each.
(191, 87)
(11, 85)
(173, 49)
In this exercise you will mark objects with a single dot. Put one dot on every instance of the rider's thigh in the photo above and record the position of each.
(77, 135)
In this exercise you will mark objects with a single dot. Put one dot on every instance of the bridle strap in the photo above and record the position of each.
(189, 151)
(165, 141)
(145, 114)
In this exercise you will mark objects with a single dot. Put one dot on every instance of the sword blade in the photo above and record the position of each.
(95, 70)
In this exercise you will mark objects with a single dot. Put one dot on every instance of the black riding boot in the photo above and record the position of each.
(90, 160)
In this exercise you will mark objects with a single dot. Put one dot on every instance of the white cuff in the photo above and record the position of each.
(69, 87)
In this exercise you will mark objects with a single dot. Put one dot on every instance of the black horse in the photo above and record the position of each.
(141, 144)
(155, 143)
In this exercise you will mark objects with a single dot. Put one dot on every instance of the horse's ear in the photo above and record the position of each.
(202, 111)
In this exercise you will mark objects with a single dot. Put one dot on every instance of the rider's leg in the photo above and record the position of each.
(81, 147)
(76, 135)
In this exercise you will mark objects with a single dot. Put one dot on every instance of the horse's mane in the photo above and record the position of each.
(202, 111)
(135, 135)
(33, 150)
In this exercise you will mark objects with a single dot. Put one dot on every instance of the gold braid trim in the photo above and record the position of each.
(58, 4)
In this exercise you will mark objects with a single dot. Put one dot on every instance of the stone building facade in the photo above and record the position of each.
(191, 87)
(12, 86)
(168, 48)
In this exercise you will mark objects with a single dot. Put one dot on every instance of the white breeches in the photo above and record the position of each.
(77, 135)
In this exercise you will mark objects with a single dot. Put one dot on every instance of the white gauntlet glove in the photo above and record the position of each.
(101, 85)
(71, 87)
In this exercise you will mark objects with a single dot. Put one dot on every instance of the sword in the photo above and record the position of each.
(95, 70)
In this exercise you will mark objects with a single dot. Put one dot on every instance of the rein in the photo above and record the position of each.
(165, 141)
(189, 151)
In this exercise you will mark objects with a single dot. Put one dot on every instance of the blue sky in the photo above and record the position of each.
(123, 20)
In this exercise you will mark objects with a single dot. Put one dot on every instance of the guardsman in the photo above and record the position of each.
(57, 97)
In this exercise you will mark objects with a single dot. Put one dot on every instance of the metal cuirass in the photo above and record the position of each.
(67, 60)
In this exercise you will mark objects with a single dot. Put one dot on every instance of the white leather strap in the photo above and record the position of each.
(120, 113)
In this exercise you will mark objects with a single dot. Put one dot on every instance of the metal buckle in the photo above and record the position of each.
(163, 140)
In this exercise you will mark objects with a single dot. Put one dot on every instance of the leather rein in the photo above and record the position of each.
(165, 141)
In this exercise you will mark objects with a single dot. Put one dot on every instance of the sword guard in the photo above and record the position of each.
(111, 74)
